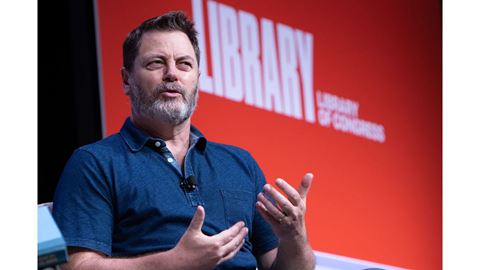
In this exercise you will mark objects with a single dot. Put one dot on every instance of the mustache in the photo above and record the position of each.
(169, 87)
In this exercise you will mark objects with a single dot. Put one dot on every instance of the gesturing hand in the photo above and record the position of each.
(200, 251)
(287, 214)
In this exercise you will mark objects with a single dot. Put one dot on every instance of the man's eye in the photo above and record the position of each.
(155, 64)
(184, 65)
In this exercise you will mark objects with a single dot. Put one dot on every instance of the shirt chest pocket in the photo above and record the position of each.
(239, 206)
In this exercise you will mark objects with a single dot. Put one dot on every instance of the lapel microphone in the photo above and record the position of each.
(189, 184)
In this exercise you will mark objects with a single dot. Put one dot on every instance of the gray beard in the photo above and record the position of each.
(153, 105)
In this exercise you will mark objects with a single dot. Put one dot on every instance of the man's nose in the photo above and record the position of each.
(170, 73)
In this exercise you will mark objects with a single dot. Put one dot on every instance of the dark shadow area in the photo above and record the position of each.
(68, 92)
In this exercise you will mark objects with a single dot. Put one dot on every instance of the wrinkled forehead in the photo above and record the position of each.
(171, 43)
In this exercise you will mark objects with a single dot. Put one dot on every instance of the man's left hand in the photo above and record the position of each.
(286, 214)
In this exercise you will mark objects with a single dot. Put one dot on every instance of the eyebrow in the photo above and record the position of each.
(162, 56)
(185, 57)
(153, 55)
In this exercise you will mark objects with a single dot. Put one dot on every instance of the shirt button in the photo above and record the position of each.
(158, 144)
(170, 159)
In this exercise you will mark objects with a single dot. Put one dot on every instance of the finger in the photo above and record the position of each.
(233, 253)
(197, 221)
(270, 207)
(265, 214)
(283, 204)
(233, 244)
(292, 194)
(227, 235)
(305, 185)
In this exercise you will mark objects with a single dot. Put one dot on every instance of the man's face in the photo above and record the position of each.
(163, 82)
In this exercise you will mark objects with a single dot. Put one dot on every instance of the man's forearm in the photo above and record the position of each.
(291, 256)
(87, 260)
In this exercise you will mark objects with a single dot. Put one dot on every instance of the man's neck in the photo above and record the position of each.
(176, 137)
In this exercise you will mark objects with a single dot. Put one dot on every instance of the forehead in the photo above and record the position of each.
(173, 43)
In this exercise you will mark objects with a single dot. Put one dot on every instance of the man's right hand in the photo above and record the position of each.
(205, 252)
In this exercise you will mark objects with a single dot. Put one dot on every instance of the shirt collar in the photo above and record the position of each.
(197, 137)
(136, 139)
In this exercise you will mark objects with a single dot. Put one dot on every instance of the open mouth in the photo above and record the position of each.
(169, 90)
(171, 93)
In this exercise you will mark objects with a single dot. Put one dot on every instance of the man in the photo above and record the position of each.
(157, 195)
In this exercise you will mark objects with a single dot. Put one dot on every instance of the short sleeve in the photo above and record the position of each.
(82, 205)
(264, 239)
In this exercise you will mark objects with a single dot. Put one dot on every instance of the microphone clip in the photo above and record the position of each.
(189, 184)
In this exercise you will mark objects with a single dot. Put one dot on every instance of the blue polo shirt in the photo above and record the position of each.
(121, 196)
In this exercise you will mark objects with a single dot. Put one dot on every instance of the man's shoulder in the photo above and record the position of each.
(107, 144)
(98, 154)
(234, 159)
(228, 149)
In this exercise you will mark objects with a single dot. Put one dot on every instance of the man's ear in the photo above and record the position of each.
(125, 79)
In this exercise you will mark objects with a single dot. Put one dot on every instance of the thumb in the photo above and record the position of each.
(305, 185)
(197, 221)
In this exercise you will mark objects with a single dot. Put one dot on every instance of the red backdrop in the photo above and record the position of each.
(376, 193)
